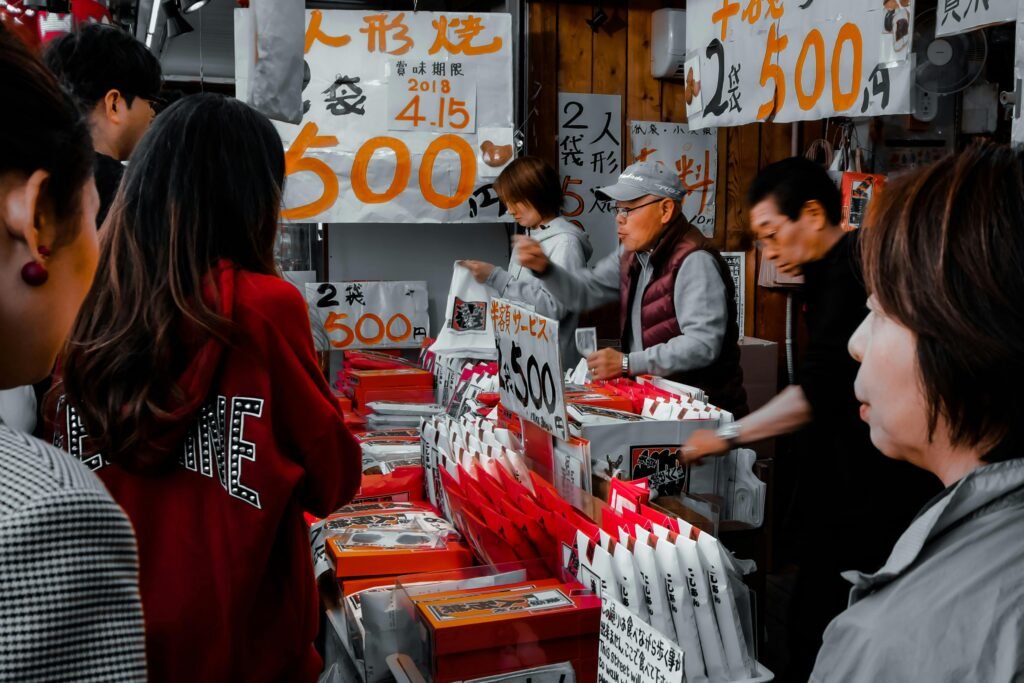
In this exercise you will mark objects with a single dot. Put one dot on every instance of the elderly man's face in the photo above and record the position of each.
(641, 221)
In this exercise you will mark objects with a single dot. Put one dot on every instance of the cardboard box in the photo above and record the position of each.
(368, 562)
(483, 634)
(760, 362)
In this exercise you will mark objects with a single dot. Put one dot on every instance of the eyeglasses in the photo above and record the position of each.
(623, 211)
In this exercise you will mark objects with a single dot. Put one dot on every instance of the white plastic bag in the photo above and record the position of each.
(468, 329)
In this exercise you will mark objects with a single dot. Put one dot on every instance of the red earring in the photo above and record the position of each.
(33, 273)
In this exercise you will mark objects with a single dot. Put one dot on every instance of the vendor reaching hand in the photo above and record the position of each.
(678, 310)
(529, 187)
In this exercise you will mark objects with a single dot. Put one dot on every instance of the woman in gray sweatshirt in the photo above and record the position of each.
(530, 189)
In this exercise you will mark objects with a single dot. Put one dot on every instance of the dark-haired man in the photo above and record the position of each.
(852, 502)
(115, 81)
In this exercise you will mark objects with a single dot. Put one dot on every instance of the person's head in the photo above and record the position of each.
(530, 188)
(646, 197)
(942, 350)
(795, 211)
(114, 79)
(205, 185)
(48, 203)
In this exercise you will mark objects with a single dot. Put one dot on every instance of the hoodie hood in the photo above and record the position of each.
(196, 380)
(562, 226)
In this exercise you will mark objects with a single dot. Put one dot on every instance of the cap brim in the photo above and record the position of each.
(620, 192)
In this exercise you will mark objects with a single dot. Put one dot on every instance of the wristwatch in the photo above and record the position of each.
(625, 365)
(730, 433)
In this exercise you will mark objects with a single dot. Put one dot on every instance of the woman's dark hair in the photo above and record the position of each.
(204, 185)
(531, 180)
(40, 129)
(793, 182)
(943, 252)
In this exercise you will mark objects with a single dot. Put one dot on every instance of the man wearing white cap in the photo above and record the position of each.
(678, 310)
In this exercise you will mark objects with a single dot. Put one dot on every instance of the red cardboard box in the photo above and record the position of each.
(368, 562)
(483, 634)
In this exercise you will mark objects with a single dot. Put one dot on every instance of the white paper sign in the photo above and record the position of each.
(790, 61)
(737, 261)
(394, 108)
(529, 370)
(631, 650)
(554, 673)
(960, 16)
(368, 315)
(571, 476)
(692, 155)
(589, 157)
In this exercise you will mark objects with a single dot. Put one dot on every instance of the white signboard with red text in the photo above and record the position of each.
(529, 369)
(759, 60)
(368, 315)
(408, 117)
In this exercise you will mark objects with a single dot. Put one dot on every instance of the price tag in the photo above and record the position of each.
(632, 650)
(368, 315)
(529, 370)
(431, 96)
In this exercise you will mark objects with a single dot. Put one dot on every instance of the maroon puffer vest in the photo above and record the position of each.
(723, 379)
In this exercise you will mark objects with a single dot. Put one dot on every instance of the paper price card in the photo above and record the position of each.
(434, 96)
(529, 370)
(368, 315)
(769, 60)
(959, 16)
(407, 116)
(690, 154)
(631, 650)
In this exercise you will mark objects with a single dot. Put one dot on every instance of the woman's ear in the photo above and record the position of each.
(24, 212)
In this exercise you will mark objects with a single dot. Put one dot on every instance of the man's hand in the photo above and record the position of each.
(481, 270)
(701, 444)
(605, 364)
(530, 254)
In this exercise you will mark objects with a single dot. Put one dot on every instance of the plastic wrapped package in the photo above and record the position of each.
(653, 583)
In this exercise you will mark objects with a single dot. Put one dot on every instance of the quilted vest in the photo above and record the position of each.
(722, 381)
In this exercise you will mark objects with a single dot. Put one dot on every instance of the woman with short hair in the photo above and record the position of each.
(942, 359)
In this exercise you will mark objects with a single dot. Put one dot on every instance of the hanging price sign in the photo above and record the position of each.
(368, 315)
(529, 370)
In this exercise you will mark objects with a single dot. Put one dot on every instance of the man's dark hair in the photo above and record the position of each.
(101, 58)
(793, 182)
(943, 253)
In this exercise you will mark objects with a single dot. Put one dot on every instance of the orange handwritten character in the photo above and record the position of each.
(506, 314)
(753, 10)
(644, 153)
(542, 324)
(687, 167)
(494, 312)
(466, 30)
(517, 317)
(314, 33)
(729, 9)
(377, 31)
(771, 71)
(296, 161)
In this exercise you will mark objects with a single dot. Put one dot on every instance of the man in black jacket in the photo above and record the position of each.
(852, 502)
(115, 81)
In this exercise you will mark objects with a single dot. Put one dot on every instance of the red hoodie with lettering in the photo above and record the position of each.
(226, 572)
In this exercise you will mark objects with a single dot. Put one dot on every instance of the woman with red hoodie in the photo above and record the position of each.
(191, 387)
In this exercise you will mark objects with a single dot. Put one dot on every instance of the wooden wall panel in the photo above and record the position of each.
(575, 49)
(542, 83)
(643, 91)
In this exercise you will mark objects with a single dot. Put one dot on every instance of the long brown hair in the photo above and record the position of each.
(204, 185)
(943, 252)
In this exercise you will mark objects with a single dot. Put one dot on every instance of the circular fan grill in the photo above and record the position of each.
(947, 64)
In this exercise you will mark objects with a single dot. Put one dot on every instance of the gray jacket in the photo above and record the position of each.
(565, 245)
(700, 303)
(949, 603)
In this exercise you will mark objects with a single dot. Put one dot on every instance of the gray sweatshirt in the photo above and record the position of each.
(700, 305)
(565, 245)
